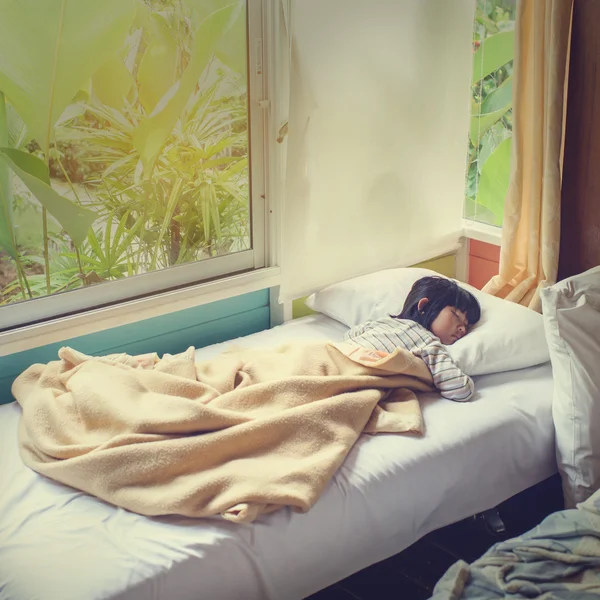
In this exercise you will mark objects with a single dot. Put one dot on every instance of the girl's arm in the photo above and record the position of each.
(447, 377)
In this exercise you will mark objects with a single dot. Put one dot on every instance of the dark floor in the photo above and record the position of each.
(412, 574)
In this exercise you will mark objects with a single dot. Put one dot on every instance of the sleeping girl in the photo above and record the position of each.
(437, 312)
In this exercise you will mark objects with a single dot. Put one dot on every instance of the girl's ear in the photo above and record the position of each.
(422, 303)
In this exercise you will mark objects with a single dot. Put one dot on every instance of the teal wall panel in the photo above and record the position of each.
(174, 332)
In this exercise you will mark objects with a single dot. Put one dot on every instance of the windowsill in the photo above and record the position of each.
(92, 321)
(482, 232)
(56, 330)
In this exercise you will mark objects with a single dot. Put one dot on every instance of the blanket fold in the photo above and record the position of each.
(240, 435)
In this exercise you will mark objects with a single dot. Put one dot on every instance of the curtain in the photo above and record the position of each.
(531, 228)
(377, 138)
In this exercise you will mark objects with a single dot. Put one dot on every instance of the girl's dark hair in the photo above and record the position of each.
(440, 292)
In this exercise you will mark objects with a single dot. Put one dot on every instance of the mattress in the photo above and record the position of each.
(58, 543)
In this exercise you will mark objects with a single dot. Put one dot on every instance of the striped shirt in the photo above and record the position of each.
(388, 333)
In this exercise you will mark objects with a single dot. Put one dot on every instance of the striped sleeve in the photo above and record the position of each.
(385, 334)
(356, 331)
(447, 377)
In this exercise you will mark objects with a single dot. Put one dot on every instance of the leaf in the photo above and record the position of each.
(494, 52)
(132, 46)
(142, 15)
(6, 231)
(492, 109)
(232, 46)
(231, 189)
(201, 9)
(107, 245)
(214, 210)
(500, 98)
(471, 182)
(6, 235)
(217, 162)
(34, 174)
(171, 204)
(153, 132)
(490, 141)
(157, 70)
(29, 163)
(480, 124)
(49, 50)
(17, 130)
(84, 92)
(239, 166)
(494, 180)
(124, 237)
(98, 260)
(70, 113)
(204, 199)
(112, 82)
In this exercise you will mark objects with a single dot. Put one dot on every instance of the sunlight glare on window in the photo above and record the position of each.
(124, 140)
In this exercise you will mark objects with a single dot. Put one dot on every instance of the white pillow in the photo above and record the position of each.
(368, 297)
(508, 336)
(572, 321)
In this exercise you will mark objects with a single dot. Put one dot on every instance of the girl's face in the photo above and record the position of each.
(450, 325)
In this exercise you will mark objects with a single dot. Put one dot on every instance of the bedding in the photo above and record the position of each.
(572, 320)
(275, 423)
(559, 559)
(60, 543)
(508, 336)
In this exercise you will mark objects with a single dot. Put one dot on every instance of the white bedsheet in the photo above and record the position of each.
(57, 543)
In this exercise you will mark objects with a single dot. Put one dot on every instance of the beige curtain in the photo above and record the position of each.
(531, 230)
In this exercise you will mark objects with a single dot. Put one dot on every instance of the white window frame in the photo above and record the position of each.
(482, 232)
(180, 279)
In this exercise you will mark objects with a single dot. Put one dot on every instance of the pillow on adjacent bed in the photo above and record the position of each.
(507, 337)
(572, 321)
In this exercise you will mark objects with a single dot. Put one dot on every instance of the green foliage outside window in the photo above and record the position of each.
(490, 132)
(123, 139)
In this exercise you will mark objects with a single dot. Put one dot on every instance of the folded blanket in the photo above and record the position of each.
(242, 434)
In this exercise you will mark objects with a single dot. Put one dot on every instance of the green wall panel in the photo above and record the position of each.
(199, 326)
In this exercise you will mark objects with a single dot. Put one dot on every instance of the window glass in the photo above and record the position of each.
(124, 135)
(490, 131)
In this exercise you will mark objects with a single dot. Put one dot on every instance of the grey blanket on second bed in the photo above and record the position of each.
(558, 560)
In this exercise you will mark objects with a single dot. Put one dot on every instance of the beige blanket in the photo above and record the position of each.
(243, 434)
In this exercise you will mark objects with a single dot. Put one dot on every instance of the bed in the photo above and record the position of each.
(58, 543)
(560, 558)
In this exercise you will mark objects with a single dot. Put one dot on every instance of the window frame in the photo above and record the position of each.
(179, 277)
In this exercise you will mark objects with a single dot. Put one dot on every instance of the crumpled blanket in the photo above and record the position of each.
(558, 560)
(243, 434)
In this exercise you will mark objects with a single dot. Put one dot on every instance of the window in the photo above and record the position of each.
(490, 135)
(130, 161)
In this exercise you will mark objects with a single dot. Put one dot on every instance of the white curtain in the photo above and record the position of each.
(377, 142)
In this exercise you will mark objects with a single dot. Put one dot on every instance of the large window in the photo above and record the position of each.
(130, 161)
(490, 134)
